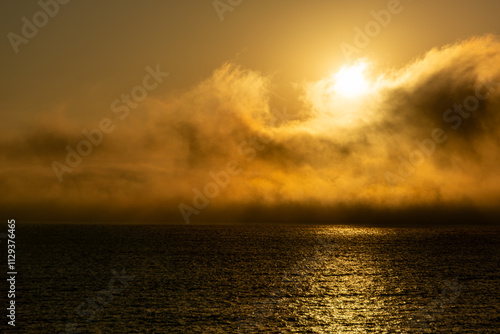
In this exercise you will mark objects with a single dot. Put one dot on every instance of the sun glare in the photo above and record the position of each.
(351, 81)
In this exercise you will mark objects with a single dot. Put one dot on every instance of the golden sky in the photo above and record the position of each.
(228, 111)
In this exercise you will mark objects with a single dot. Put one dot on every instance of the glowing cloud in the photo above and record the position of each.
(351, 81)
(313, 160)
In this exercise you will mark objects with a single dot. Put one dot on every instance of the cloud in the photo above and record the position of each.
(327, 160)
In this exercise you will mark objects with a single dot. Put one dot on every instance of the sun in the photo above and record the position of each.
(351, 81)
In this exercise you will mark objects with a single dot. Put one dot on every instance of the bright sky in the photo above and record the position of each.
(93, 50)
(307, 104)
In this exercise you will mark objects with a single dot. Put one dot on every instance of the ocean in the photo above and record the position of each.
(256, 279)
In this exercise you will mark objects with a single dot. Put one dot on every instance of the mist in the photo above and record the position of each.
(423, 143)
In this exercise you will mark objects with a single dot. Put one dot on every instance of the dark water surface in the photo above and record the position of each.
(258, 279)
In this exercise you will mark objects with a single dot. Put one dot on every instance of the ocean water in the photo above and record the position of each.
(256, 279)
